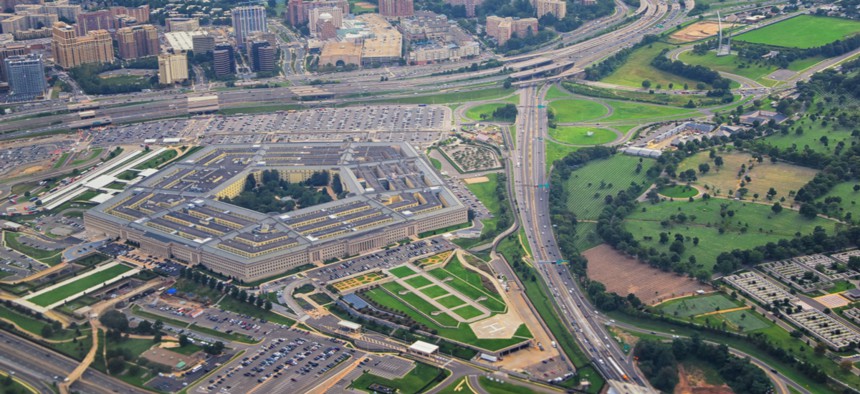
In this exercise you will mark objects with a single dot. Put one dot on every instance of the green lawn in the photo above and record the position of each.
(31, 324)
(418, 281)
(321, 298)
(638, 68)
(459, 386)
(751, 225)
(554, 93)
(589, 185)
(678, 191)
(434, 291)
(79, 285)
(476, 112)
(577, 110)
(580, 135)
(504, 387)
(469, 284)
(62, 160)
(697, 305)
(757, 71)
(421, 378)
(83, 159)
(467, 312)
(555, 151)
(628, 110)
(811, 133)
(414, 301)
(50, 257)
(805, 31)
(158, 160)
(741, 321)
(436, 163)
(450, 301)
(486, 192)
(402, 271)
(187, 350)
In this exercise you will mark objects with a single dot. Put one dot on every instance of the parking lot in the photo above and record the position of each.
(382, 259)
(138, 132)
(14, 157)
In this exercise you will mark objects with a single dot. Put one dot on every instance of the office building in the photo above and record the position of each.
(95, 20)
(247, 20)
(503, 29)
(172, 68)
(26, 76)
(262, 56)
(180, 212)
(558, 8)
(396, 8)
(203, 43)
(139, 14)
(70, 50)
(319, 17)
(26, 21)
(298, 11)
(63, 10)
(137, 41)
(223, 60)
(182, 24)
(7, 51)
(111, 19)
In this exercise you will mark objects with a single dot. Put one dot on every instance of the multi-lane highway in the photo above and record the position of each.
(532, 200)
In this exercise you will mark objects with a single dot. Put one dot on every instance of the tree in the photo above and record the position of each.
(646, 84)
(115, 320)
(845, 365)
(776, 208)
(47, 331)
(808, 211)
(268, 306)
(820, 348)
(183, 340)
(116, 365)
(215, 348)
(704, 168)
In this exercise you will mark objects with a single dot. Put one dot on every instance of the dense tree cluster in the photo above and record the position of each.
(274, 194)
(659, 362)
(88, 78)
(226, 288)
(507, 112)
(610, 64)
(720, 85)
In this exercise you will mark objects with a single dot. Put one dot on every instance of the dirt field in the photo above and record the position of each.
(625, 275)
(692, 382)
(833, 301)
(784, 178)
(698, 31)
(478, 179)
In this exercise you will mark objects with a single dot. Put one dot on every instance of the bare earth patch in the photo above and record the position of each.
(477, 179)
(698, 31)
(625, 275)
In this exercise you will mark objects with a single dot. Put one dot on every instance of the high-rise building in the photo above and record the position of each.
(202, 43)
(8, 51)
(137, 41)
(298, 10)
(223, 60)
(26, 21)
(63, 10)
(247, 20)
(111, 19)
(502, 29)
(556, 7)
(396, 8)
(26, 76)
(139, 14)
(70, 50)
(262, 55)
(95, 20)
(172, 68)
(182, 24)
(323, 14)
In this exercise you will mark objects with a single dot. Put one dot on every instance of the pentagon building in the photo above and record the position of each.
(177, 212)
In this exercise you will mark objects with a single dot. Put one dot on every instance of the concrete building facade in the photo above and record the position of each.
(396, 8)
(203, 43)
(298, 11)
(262, 56)
(223, 60)
(137, 41)
(172, 68)
(558, 8)
(247, 20)
(503, 29)
(179, 212)
(26, 76)
(70, 50)
(182, 24)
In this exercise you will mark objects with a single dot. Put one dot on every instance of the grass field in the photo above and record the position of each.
(742, 321)
(588, 185)
(697, 305)
(503, 387)
(418, 281)
(812, 131)
(49, 257)
(577, 110)
(356, 281)
(660, 98)
(470, 284)
(628, 110)
(579, 135)
(805, 31)
(750, 225)
(402, 271)
(784, 178)
(450, 301)
(486, 110)
(850, 200)
(638, 68)
(84, 157)
(732, 64)
(486, 193)
(555, 151)
(467, 312)
(554, 92)
(678, 191)
(419, 379)
(31, 324)
(158, 160)
(79, 285)
(434, 291)
(434, 259)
